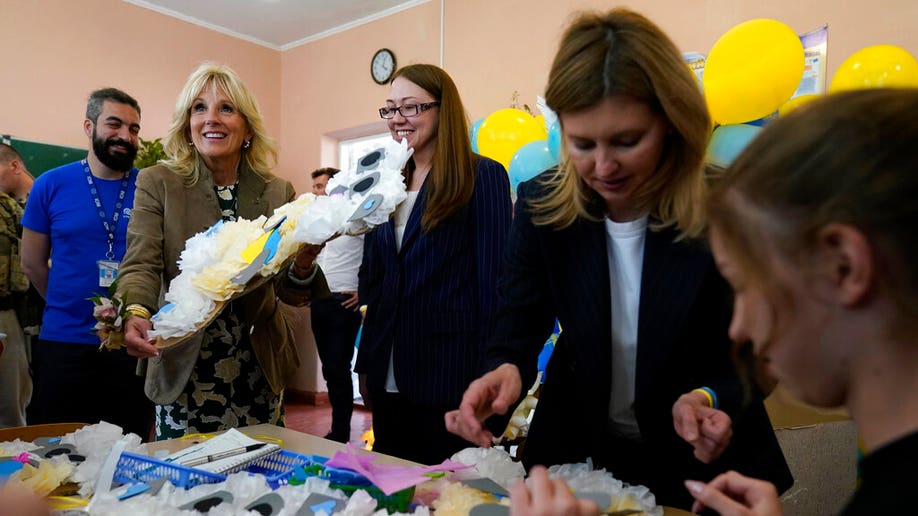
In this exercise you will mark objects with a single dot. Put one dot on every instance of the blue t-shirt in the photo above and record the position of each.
(61, 206)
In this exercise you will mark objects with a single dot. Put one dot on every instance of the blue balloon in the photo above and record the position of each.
(554, 141)
(473, 134)
(728, 141)
(531, 160)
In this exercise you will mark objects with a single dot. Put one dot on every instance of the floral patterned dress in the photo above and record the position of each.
(227, 388)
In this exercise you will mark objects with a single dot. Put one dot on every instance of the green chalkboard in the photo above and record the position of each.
(41, 157)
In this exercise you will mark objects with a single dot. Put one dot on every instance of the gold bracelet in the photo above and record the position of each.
(139, 310)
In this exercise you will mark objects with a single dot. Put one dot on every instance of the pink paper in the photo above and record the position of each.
(389, 478)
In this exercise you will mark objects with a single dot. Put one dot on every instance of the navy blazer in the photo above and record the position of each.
(684, 313)
(432, 302)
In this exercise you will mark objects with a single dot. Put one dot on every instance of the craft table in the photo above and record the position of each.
(310, 445)
(291, 440)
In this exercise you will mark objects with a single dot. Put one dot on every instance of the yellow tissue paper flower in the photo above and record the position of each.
(43, 479)
(214, 280)
(623, 503)
(458, 500)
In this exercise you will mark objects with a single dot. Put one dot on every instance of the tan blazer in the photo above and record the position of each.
(166, 213)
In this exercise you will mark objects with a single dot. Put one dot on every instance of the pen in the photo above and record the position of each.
(221, 455)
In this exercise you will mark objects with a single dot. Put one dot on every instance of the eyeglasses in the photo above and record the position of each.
(407, 110)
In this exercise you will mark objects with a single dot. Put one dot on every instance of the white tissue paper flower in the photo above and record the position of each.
(494, 463)
(359, 200)
(548, 114)
(583, 478)
(378, 173)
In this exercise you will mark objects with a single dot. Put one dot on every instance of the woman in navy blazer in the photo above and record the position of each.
(641, 379)
(429, 275)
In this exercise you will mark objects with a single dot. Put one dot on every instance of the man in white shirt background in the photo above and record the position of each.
(336, 319)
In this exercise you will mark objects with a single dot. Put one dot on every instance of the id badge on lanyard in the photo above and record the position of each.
(108, 271)
(108, 268)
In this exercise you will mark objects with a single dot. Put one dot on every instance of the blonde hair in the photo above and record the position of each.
(452, 176)
(260, 156)
(623, 53)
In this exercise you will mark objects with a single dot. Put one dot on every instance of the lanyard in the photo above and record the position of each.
(109, 227)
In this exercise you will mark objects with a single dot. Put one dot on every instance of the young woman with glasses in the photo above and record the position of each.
(429, 275)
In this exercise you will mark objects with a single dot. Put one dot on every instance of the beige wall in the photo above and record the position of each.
(493, 47)
(327, 90)
(55, 52)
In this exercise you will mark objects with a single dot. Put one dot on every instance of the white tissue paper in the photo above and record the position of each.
(212, 258)
(548, 114)
(94, 442)
(330, 214)
(245, 489)
(493, 463)
(583, 478)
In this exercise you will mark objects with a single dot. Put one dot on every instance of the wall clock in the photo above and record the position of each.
(382, 66)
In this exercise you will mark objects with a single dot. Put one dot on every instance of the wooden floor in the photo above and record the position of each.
(316, 419)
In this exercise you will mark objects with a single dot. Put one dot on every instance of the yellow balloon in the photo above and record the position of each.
(876, 67)
(751, 70)
(796, 102)
(504, 131)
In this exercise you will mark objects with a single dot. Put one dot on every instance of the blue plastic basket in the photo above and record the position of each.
(140, 468)
(277, 469)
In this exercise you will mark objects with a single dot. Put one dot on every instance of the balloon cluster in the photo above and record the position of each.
(750, 76)
(517, 140)
(754, 69)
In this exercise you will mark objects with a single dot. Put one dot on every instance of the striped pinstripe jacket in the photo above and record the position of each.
(431, 303)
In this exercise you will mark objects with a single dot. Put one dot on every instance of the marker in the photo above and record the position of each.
(221, 455)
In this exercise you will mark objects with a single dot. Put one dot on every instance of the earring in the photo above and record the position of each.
(191, 144)
(246, 144)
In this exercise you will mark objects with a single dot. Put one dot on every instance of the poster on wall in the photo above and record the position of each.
(695, 62)
(814, 70)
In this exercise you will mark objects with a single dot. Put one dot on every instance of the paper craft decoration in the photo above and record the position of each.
(208, 502)
(389, 478)
(487, 485)
(490, 509)
(232, 258)
(227, 441)
(317, 502)
(267, 505)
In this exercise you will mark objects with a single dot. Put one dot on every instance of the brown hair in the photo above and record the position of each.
(98, 98)
(325, 171)
(452, 176)
(624, 53)
(848, 158)
(8, 153)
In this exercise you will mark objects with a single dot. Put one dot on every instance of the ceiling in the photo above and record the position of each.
(278, 24)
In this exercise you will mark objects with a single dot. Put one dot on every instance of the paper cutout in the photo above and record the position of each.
(490, 509)
(389, 478)
(487, 485)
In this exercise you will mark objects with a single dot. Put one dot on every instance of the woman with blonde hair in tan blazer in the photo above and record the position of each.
(232, 372)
